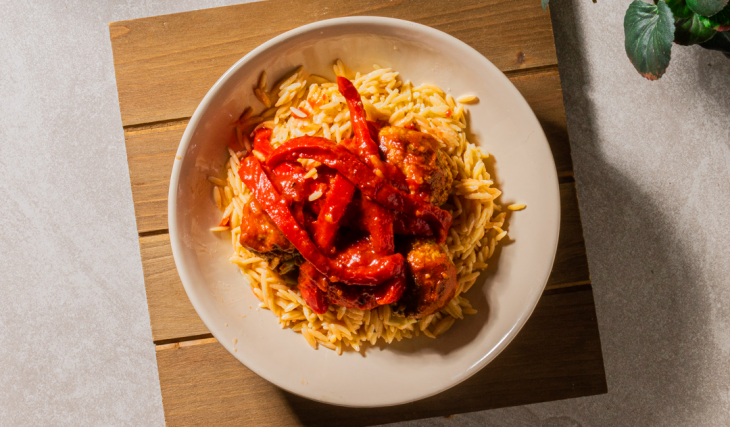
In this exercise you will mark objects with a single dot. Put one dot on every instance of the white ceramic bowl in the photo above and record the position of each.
(504, 296)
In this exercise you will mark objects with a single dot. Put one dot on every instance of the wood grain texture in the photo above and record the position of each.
(165, 64)
(557, 355)
(151, 150)
(150, 155)
(571, 263)
(543, 91)
(173, 317)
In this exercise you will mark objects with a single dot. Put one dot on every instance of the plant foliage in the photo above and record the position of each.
(650, 29)
(720, 19)
(692, 30)
(721, 43)
(649, 32)
(706, 7)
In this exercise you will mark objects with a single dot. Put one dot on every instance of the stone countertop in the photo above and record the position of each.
(652, 167)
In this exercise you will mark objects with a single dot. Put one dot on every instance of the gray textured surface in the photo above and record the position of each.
(75, 340)
(652, 167)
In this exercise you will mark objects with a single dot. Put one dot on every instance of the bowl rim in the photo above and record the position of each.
(191, 127)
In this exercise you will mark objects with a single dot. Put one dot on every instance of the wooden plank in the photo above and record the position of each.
(173, 317)
(171, 314)
(557, 355)
(543, 91)
(165, 64)
(571, 263)
(150, 155)
(151, 151)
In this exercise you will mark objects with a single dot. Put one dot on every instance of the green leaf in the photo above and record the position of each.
(544, 4)
(679, 8)
(692, 31)
(649, 32)
(721, 18)
(721, 42)
(706, 7)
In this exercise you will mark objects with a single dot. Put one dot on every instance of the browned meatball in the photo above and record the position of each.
(418, 156)
(433, 282)
(260, 235)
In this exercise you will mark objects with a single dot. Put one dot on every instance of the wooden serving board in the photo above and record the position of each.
(164, 66)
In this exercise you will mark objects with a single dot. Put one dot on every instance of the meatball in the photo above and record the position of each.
(418, 156)
(433, 279)
(261, 236)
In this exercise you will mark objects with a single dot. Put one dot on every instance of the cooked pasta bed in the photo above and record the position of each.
(305, 104)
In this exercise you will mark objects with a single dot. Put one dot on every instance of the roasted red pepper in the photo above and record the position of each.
(365, 298)
(329, 218)
(390, 291)
(366, 180)
(381, 269)
(313, 287)
(366, 147)
(366, 134)
(289, 175)
(374, 129)
(317, 291)
(402, 224)
(411, 226)
(262, 141)
(290, 181)
(378, 221)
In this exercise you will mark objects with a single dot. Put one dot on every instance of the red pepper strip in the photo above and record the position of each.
(261, 141)
(290, 182)
(323, 183)
(289, 176)
(374, 130)
(394, 175)
(390, 291)
(367, 298)
(408, 225)
(350, 296)
(402, 224)
(297, 211)
(312, 293)
(369, 183)
(253, 175)
(364, 144)
(335, 205)
(378, 221)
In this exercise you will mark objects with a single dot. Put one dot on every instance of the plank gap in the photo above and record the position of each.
(140, 127)
(190, 340)
(567, 289)
(153, 233)
(564, 179)
(566, 285)
(531, 71)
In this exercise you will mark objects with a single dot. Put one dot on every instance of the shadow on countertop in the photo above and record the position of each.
(652, 312)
